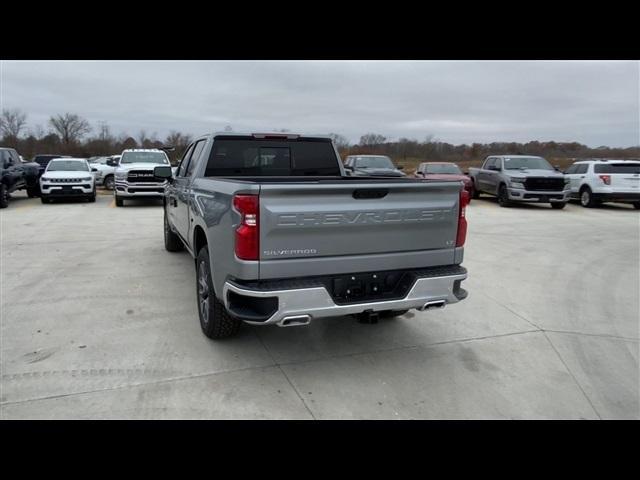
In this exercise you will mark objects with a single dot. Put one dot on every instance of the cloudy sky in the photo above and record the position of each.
(591, 102)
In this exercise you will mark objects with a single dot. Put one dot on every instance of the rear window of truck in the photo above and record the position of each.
(617, 168)
(263, 157)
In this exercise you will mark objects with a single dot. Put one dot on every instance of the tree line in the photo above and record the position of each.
(70, 134)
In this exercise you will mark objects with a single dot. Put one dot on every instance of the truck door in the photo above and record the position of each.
(13, 170)
(483, 175)
(493, 176)
(184, 194)
(174, 187)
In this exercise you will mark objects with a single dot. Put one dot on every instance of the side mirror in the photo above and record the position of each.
(400, 167)
(348, 167)
(557, 167)
(163, 173)
(94, 169)
(112, 163)
(494, 168)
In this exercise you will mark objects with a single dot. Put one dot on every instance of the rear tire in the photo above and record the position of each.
(172, 242)
(33, 192)
(4, 196)
(215, 321)
(476, 192)
(558, 205)
(503, 196)
(586, 198)
(119, 201)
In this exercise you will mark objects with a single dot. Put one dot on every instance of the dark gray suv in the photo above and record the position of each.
(371, 166)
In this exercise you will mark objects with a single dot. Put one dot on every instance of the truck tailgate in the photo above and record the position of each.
(316, 221)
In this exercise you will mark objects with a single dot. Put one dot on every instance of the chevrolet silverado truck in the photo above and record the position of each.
(521, 178)
(280, 235)
(16, 174)
(133, 174)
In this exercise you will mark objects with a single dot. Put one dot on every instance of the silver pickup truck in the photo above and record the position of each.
(280, 235)
(520, 178)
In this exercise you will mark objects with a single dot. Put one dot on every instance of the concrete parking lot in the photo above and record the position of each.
(99, 321)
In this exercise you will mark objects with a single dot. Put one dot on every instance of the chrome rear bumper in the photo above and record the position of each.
(298, 306)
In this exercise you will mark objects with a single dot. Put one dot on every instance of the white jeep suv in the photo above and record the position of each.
(134, 176)
(67, 177)
(596, 181)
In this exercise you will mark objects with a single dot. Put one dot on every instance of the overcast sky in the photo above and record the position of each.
(592, 102)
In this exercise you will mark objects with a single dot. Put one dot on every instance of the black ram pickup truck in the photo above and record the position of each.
(16, 175)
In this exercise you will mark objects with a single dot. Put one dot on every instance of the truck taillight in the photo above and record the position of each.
(606, 179)
(462, 221)
(248, 232)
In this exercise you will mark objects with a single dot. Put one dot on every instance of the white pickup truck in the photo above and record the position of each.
(134, 175)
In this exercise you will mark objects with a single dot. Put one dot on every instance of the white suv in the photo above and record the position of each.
(67, 177)
(596, 181)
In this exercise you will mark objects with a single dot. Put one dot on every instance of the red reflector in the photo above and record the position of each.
(248, 232)
(606, 179)
(461, 237)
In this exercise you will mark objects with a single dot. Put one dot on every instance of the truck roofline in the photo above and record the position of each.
(290, 135)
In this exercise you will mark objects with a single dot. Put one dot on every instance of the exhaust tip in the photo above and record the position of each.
(432, 305)
(295, 321)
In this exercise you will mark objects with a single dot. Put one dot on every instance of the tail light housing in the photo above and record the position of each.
(606, 179)
(248, 231)
(461, 237)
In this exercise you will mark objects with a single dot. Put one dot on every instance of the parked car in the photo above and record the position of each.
(520, 178)
(282, 236)
(596, 181)
(105, 170)
(16, 175)
(372, 166)
(67, 178)
(134, 175)
(44, 159)
(444, 171)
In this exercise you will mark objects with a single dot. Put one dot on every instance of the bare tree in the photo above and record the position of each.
(70, 127)
(176, 139)
(371, 139)
(180, 142)
(340, 141)
(38, 132)
(142, 137)
(12, 122)
(104, 132)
